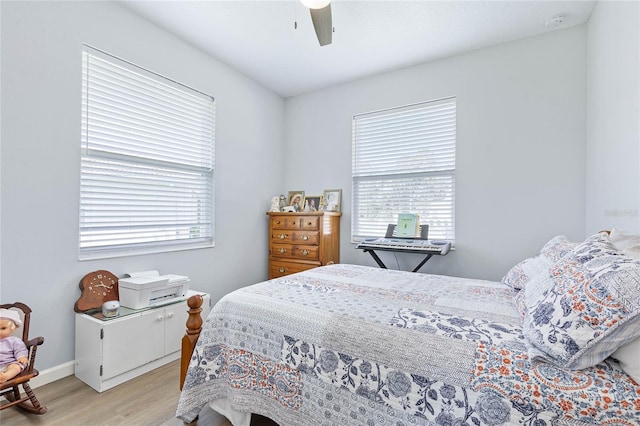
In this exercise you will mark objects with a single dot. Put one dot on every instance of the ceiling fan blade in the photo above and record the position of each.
(322, 23)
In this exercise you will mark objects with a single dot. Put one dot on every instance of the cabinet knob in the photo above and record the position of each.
(305, 252)
(282, 270)
(170, 315)
(305, 237)
(282, 250)
(160, 318)
(282, 236)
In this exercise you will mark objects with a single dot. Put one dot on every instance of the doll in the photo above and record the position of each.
(13, 352)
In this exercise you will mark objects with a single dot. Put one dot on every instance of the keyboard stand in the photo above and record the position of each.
(391, 229)
(381, 264)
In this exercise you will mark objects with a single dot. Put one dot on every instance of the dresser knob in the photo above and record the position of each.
(305, 237)
(281, 250)
(283, 236)
(282, 270)
(305, 252)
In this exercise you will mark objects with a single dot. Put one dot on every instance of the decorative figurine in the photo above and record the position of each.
(275, 204)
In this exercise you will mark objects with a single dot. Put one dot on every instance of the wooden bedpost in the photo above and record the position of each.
(194, 326)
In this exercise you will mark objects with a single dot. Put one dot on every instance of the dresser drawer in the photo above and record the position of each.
(281, 250)
(294, 251)
(305, 237)
(280, 269)
(309, 223)
(305, 252)
(284, 222)
(281, 236)
(284, 236)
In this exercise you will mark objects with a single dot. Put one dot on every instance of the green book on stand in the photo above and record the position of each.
(408, 225)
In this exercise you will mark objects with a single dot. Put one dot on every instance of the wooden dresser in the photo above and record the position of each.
(301, 241)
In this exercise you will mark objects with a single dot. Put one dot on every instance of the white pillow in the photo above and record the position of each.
(629, 357)
(626, 242)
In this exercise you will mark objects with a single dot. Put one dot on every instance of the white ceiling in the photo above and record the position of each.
(258, 37)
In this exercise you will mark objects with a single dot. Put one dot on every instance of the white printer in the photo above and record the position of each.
(148, 288)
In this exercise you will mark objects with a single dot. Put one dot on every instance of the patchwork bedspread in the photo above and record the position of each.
(354, 345)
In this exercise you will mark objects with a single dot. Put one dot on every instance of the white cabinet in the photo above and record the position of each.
(110, 352)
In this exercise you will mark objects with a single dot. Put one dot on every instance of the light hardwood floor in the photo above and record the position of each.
(150, 399)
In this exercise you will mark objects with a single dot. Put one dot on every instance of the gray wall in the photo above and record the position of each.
(613, 117)
(520, 176)
(41, 93)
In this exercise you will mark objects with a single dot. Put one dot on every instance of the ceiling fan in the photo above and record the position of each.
(321, 17)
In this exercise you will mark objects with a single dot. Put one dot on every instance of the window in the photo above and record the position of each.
(147, 161)
(404, 161)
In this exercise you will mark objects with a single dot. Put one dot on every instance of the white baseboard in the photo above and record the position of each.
(52, 374)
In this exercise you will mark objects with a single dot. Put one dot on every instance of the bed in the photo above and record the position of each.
(354, 345)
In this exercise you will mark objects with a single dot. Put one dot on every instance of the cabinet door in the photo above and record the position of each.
(132, 342)
(175, 326)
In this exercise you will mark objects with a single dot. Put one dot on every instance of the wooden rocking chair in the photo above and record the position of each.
(10, 389)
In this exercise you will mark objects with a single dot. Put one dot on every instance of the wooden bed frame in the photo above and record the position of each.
(194, 327)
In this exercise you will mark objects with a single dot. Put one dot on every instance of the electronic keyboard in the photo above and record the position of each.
(399, 244)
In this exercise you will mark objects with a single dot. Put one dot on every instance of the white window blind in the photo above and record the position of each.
(147, 161)
(404, 161)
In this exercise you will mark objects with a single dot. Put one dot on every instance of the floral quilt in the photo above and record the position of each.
(355, 345)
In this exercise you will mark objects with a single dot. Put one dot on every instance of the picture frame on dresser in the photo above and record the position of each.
(314, 202)
(332, 200)
(296, 199)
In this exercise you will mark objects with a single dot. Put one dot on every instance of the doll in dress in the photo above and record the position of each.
(13, 352)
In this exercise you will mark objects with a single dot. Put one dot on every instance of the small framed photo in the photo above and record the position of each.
(332, 200)
(313, 202)
(296, 200)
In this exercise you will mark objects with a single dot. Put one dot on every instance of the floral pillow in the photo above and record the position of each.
(586, 306)
(554, 250)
